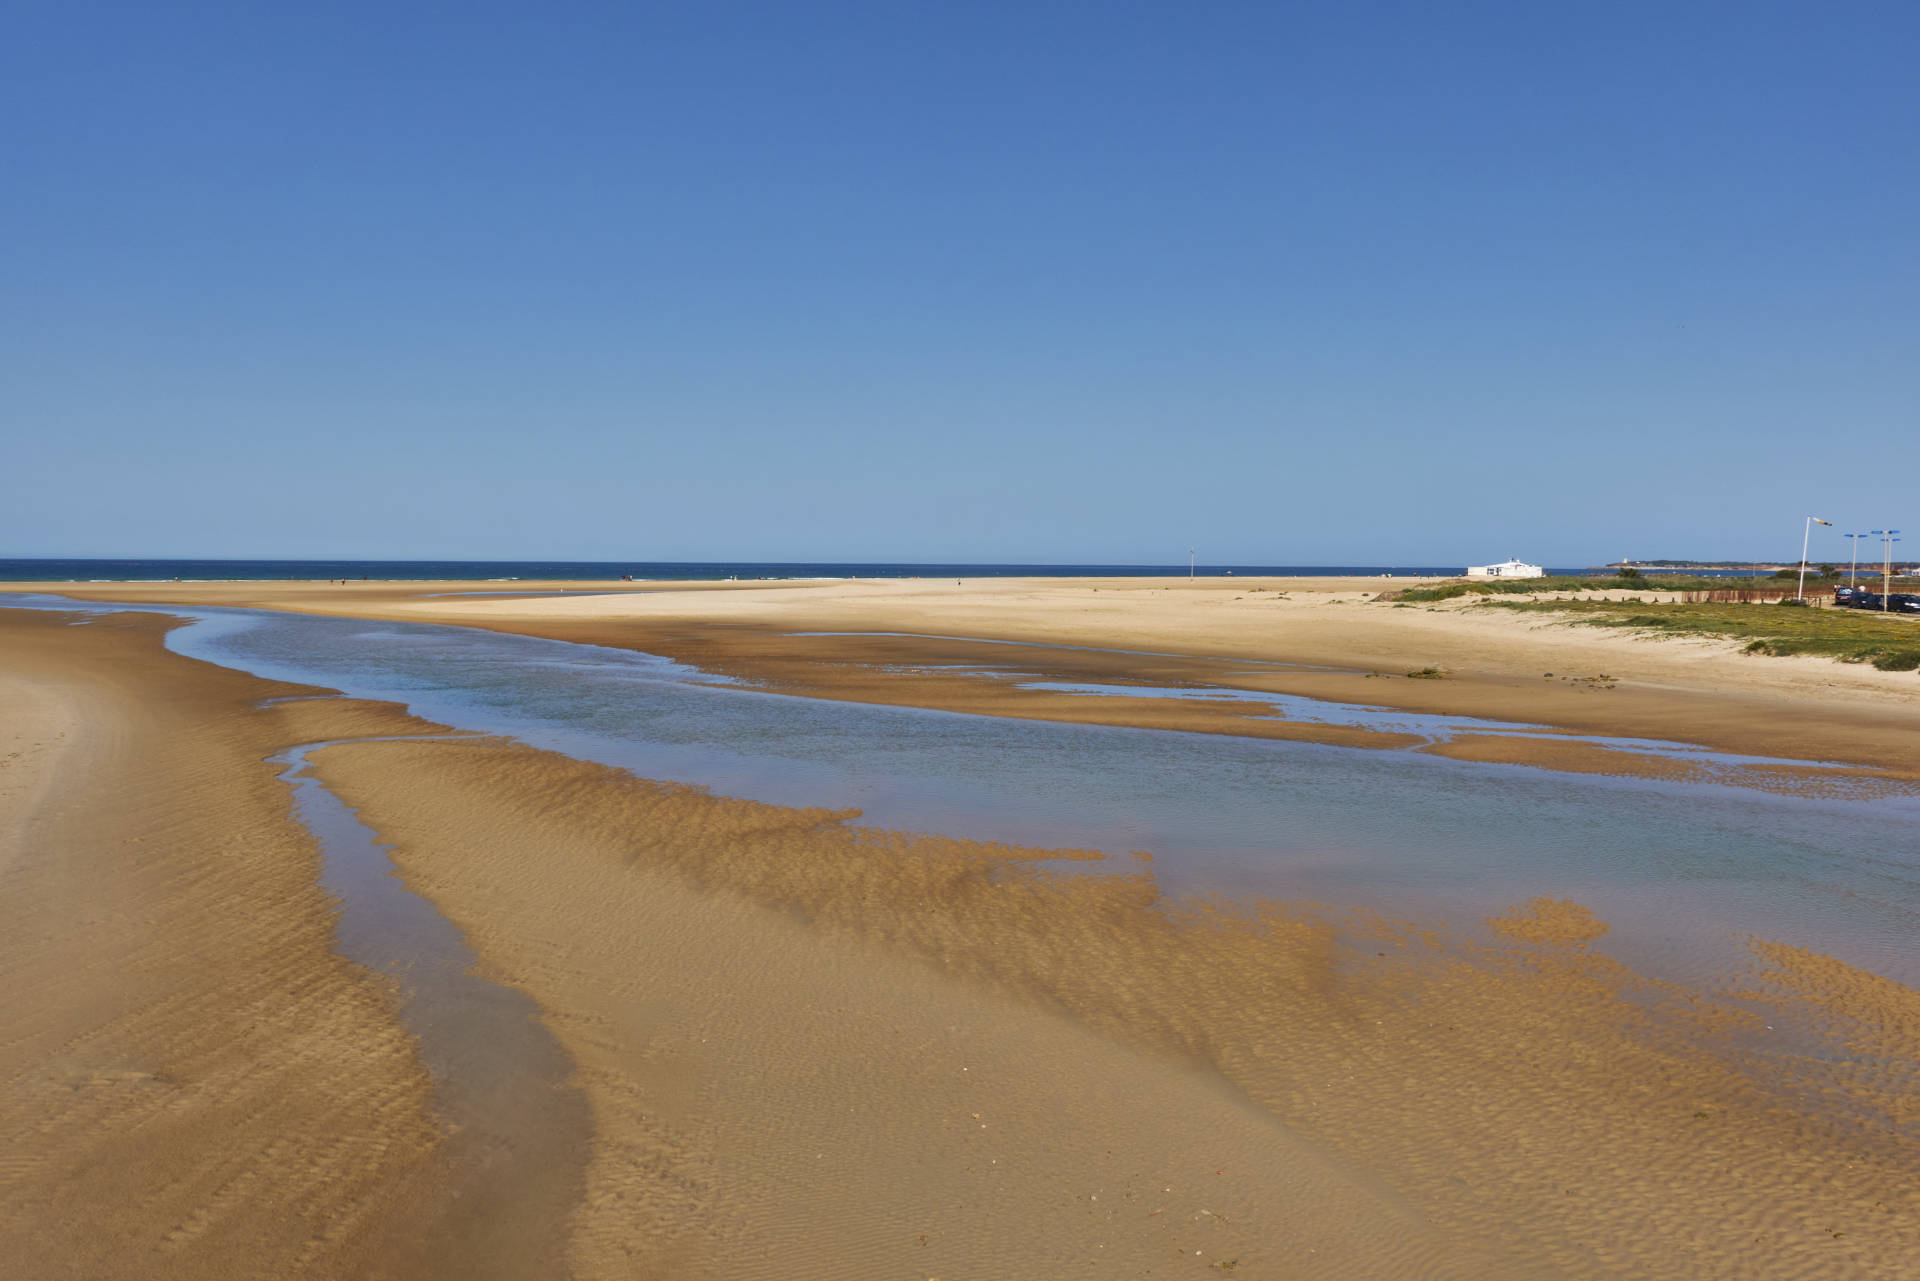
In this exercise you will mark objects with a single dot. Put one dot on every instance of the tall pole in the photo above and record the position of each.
(1806, 532)
(1887, 540)
(1189, 564)
(1852, 568)
(1800, 592)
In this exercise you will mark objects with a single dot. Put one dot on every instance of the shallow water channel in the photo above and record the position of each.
(482, 1042)
(1682, 871)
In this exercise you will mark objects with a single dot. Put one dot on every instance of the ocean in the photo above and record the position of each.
(45, 570)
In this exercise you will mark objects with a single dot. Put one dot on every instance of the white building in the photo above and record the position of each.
(1506, 569)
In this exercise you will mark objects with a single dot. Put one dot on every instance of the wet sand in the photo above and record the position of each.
(195, 1083)
(968, 646)
(814, 1050)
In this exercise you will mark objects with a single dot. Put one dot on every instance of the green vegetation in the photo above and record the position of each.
(1427, 674)
(1629, 580)
(1853, 636)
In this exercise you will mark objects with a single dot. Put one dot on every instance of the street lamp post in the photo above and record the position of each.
(1887, 540)
(1855, 565)
(1800, 592)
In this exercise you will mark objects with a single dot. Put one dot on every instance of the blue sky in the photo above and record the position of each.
(1290, 283)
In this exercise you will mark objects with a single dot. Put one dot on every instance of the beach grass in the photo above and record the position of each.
(1891, 644)
(1763, 586)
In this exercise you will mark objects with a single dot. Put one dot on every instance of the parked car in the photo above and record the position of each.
(1861, 598)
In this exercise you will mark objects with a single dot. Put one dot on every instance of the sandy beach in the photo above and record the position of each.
(796, 1047)
(195, 1083)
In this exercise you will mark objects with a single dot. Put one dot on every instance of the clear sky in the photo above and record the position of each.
(1326, 282)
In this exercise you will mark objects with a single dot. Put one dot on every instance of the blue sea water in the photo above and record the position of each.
(43, 570)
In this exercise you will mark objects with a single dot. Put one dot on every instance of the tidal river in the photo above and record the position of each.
(1683, 872)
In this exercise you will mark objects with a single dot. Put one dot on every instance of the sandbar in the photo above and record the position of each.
(978, 645)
